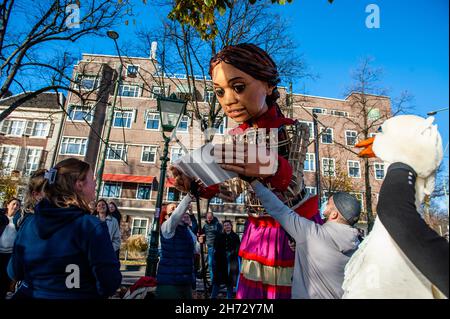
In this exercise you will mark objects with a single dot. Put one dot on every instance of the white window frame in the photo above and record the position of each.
(322, 135)
(80, 108)
(149, 113)
(309, 188)
(371, 117)
(187, 126)
(137, 66)
(120, 184)
(123, 152)
(96, 84)
(313, 162)
(322, 110)
(10, 128)
(346, 136)
(349, 167)
(241, 196)
(336, 113)
(46, 131)
(140, 219)
(122, 113)
(12, 164)
(74, 137)
(375, 170)
(142, 153)
(209, 95)
(151, 191)
(372, 134)
(28, 171)
(216, 201)
(179, 149)
(121, 90)
(326, 173)
(311, 128)
(173, 201)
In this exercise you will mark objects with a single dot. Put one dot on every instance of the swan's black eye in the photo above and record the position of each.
(380, 130)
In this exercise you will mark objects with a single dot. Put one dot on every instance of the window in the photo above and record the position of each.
(123, 119)
(319, 110)
(328, 166)
(209, 95)
(128, 90)
(139, 226)
(9, 158)
(116, 152)
(87, 82)
(240, 200)
(149, 154)
(354, 169)
(372, 134)
(173, 195)
(311, 129)
(32, 161)
(221, 129)
(216, 201)
(310, 162)
(379, 170)
(40, 129)
(311, 190)
(16, 128)
(111, 190)
(152, 121)
(350, 137)
(373, 114)
(80, 113)
(339, 113)
(156, 92)
(176, 153)
(73, 146)
(327, 135)
(132, 70)
(183, 125)
(144, 191)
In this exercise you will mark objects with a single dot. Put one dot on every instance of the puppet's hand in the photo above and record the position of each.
(182, 182)
(248, 160)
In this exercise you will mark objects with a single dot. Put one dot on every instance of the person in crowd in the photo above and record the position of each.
(226, 256)
(103, 213)
(175, 274)
(8, 233)
(322, 251)
(115, 212)
(34, 194)
(62, 251)
(211, 229)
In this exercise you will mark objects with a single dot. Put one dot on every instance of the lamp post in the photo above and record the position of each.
(170, 112)
(437, 111)
(317, 160)
(114, 36)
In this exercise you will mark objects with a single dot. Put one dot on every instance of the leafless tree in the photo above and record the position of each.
(30, 59)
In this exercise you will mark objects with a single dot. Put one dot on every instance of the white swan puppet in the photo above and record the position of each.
(402, 257)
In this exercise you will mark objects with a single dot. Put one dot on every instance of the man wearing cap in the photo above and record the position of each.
(322, 251)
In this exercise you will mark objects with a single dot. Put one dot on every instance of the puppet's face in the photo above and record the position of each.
(241, 95)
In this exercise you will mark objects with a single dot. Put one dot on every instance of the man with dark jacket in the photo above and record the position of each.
(211, 229)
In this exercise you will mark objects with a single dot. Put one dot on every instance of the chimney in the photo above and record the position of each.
(153, 50)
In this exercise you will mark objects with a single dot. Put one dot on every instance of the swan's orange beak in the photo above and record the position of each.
(367, 151)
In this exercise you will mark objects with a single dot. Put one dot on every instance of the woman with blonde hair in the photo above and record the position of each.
(63, 252)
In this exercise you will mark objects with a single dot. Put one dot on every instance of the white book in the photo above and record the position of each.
(200, 164)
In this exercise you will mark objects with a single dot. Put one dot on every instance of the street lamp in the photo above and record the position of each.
(114, 36)
(170, 111)
(434, 112)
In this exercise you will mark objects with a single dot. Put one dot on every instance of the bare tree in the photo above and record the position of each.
(29, 57)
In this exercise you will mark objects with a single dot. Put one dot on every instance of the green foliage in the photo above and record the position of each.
(201, 14)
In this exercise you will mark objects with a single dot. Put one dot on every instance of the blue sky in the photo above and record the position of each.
(411, 46)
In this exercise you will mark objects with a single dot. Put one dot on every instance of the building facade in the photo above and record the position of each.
(29, 136)
(123, 111)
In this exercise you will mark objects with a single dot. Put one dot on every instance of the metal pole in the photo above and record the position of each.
(316, 153)
(152, 256)
(108, 132)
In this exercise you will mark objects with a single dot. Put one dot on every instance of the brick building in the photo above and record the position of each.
(29, 136)
(131, 173)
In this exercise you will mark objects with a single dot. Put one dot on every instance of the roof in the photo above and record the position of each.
(46, 100)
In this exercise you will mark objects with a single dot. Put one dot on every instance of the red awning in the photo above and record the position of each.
(170, 182)
(128, 178)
